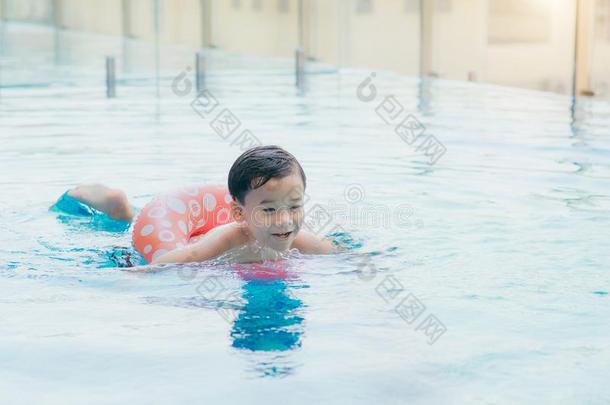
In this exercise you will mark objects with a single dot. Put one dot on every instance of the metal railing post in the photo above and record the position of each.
(110, 77)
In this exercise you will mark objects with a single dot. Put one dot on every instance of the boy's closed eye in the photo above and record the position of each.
(272, 210)
(293, 207)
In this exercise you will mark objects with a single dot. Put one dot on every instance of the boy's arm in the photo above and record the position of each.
(308, 243)
(212, 244)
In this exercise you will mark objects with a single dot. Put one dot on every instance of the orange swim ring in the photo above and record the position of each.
(170, 220)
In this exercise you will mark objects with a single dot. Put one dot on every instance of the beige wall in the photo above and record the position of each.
(28, 10)
(262, 32)
(183, 22)
(600, 69)
(528, 43)
(461, 27)
(77, 14)
(478, 51)
(600, 50)
(545, 64)
(385, 37)
(180, 21)
(141, 24)
(323, 41)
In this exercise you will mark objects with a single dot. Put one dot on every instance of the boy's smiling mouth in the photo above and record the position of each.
(282, 236)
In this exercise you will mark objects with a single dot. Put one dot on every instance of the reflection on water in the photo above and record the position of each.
(270, 321)
(424, 94)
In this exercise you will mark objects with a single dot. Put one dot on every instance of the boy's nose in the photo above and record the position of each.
(284, 217)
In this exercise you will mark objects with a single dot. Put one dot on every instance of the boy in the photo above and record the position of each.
(267, 185)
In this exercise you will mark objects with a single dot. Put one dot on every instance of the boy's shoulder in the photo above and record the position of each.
(234, 233)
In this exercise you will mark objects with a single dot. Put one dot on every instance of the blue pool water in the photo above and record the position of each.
(481, 278)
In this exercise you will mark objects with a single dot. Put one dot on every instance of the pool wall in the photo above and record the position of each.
(508, 42)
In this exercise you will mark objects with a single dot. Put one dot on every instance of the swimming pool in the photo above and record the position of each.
(482, 276)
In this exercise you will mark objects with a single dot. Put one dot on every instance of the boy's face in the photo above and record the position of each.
(274, 211)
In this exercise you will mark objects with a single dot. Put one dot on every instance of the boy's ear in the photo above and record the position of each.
(237, 210)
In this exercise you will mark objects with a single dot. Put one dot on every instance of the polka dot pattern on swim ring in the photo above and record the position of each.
(176, 205)
(169, 221)
(147, 230)
(209, 202)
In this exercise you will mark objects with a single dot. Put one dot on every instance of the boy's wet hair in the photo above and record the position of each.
(257, 166)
